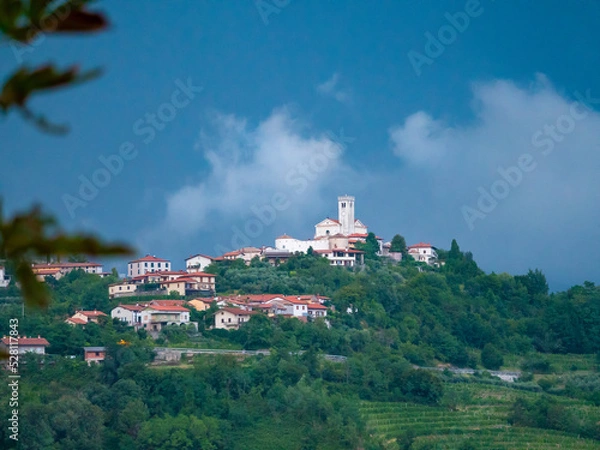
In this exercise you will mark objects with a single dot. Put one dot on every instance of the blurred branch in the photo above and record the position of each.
(23, 21)
(33, 234)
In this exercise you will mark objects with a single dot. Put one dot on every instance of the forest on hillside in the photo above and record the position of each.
(387, 318)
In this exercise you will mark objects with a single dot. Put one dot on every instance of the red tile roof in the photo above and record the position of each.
(167, 303)
(284, 236)
(91, 313)
(40, 271)
(168, 308)
(65, 265)
(316, 306)
(421, 245)
(30, 341)
(133, 307)
(76, 321)
(149, 258)
(238, 311)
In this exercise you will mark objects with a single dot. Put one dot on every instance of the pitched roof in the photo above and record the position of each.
(91, 313)
(65, 265)
(316, 306)
(328, 218)
(94, 349)
(421, 245)
(198, 274)
(284, 236)
(49, 271)
(238, 311)
(167, 303)
(199, 254)
(76, 321)
(32, 341)
(132, 307)
(149, 258)
(168, 308)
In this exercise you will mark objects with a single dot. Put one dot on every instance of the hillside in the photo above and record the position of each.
(388, 319)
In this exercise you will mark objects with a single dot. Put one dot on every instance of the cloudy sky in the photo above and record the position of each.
(219, 125)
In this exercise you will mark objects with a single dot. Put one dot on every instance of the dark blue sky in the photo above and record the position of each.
(431, 127)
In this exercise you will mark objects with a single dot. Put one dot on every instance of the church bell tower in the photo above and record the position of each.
(346, 214)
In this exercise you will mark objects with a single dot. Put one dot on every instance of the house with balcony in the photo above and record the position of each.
(198, 262)
(195, 283)
(345, 257)
(155, 318)
(130, 314)
(424, 252)
(228, 318)
(316, 310)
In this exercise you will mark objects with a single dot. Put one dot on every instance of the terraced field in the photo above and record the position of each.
(478, 420)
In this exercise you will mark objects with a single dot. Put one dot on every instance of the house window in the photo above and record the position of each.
(145, 264)
(151, 264)
(222, 320)
(159, 265)
(97, 353)
(229, 320)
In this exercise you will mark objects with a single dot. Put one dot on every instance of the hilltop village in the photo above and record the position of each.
(339, 240)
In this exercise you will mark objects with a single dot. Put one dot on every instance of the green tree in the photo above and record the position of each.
(398, 244)
(491, 358)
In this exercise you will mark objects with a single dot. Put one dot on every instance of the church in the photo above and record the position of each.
(331, 235)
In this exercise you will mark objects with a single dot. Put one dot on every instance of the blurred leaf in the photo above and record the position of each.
(33, 234)
(80, 21)
(23, 21)
(25, 82)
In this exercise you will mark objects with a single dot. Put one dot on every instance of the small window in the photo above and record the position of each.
(145, 264)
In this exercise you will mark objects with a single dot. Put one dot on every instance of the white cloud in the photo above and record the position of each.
(420, 140)
(546, 214)
(247, 168)
(330, 88)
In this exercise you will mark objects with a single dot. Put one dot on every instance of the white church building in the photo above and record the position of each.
(332, 237)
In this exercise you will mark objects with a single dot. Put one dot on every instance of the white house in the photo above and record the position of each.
(231, 318)
(154, 318)
(197, 263)
(423, 252)
(131, 314)
(317, 310)
(4, 279)
(191, 284)
(343, 257)
(24, 344)
(147, 264)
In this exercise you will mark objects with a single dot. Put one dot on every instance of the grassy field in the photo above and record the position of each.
(474, 416)
(558, 363)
